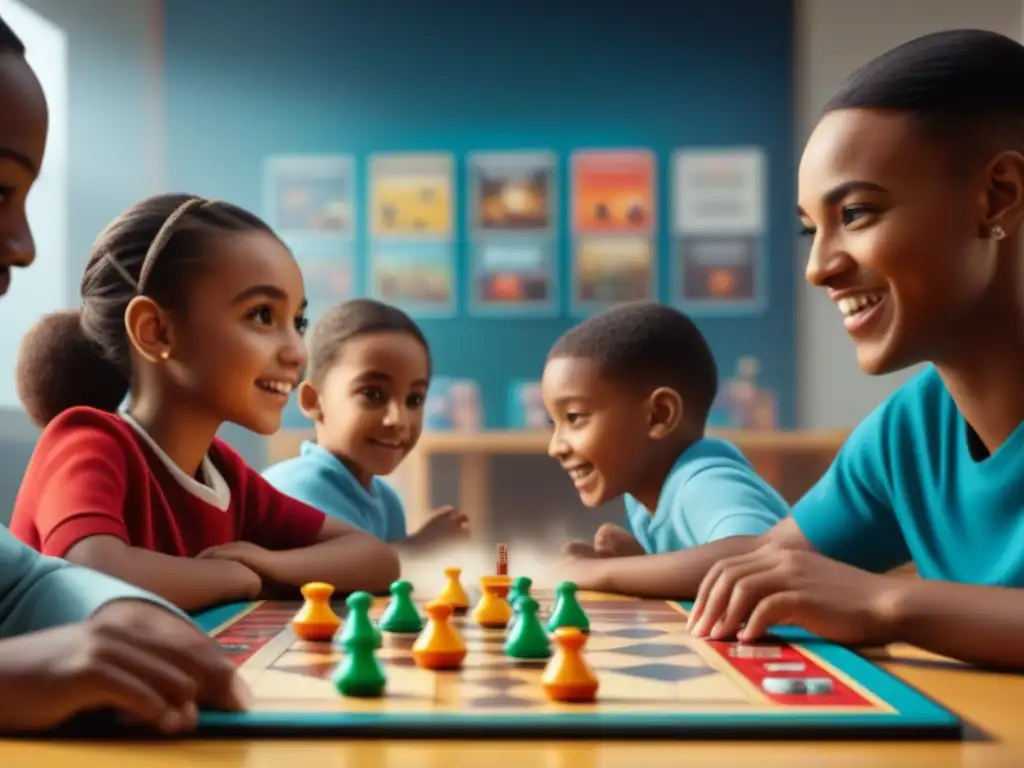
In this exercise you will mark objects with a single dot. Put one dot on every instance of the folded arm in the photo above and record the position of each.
(191, 584)
(343, 556)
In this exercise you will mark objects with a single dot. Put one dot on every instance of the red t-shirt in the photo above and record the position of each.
(93, 473)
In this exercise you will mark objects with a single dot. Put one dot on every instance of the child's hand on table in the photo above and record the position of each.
(615, 541)
(743, 596)
(132, 657)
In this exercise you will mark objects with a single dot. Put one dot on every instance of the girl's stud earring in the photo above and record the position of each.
(997, 232)
(164, 354)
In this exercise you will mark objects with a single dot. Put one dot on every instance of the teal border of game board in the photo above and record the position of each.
(915, 713)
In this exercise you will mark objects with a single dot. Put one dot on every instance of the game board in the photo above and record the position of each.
(655, 681)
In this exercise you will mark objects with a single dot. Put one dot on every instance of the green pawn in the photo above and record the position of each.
(520, 588)
(401, 615)
(358, 622)
(528, 640)
(359, 673)
(567, 611)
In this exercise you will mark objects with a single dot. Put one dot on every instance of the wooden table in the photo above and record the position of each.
(990, 702)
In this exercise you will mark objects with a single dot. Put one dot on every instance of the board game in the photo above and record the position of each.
(655, 681)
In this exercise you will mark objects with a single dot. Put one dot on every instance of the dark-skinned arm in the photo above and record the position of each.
(977, 625)
(346, 557)
(190, 584)
(673, 575)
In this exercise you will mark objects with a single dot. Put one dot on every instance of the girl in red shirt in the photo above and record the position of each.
(194, 310)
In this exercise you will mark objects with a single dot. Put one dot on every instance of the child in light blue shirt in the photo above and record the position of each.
(322, 480)
(712, 492)
(628, 392)
(364, 390)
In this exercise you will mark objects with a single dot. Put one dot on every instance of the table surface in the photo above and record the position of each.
(988, 702)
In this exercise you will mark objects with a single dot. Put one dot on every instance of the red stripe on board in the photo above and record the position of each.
(750, 661)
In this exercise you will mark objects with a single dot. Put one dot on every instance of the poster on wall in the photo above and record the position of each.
(718, 263)
(411, 219)
(512, 215)
(329, 271)
(613, 218)
(311, 196)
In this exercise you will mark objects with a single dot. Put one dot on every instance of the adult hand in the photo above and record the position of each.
(134, 657)
(745, 595)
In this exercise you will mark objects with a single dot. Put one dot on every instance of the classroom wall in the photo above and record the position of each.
(316, 77)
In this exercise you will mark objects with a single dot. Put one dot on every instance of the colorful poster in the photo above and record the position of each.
(719, 273)
(513, 264)
(310, 196)
(719, 230)
(611, 270)
(418, 277)
(512, 192)
(328, 269)
(412, 253)
(411, 196)
(614, 198)
(613, 192)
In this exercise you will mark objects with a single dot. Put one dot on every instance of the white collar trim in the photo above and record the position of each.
(214, 492)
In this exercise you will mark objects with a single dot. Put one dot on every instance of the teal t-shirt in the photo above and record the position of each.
(39, 592)
(318, 478)
(906, 486)
(711, 493)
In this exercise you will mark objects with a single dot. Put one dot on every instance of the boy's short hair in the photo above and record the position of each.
(348, 320)
(649, 344)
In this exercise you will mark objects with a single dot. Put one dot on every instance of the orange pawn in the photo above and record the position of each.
(316, 620)
(453, 593)
(439, 645)
(493, 611)
(567, 677)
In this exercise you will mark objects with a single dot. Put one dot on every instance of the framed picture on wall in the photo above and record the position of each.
(311, 196)
(412, 232)
(719, 232)
(511, 216)
(419, 277)
(613, 218)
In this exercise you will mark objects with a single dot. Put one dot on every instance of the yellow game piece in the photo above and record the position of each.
(439, 645)
(316, 620)
(493, 610)
(453, 593)
(568, 677)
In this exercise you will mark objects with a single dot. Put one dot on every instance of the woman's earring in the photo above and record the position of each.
(164, 354)
(996, 232)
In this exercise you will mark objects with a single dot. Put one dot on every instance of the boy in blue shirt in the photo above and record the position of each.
(912, 188)
(71, 640)
(364, 389)
(628, 392)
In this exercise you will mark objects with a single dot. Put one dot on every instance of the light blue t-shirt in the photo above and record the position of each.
(318, 478)
(906, 486)
(711, 493)
(39, 592)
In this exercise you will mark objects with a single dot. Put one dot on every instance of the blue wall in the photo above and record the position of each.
(342, 77)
